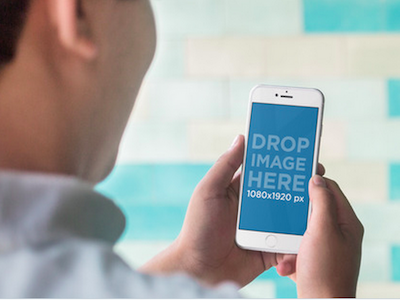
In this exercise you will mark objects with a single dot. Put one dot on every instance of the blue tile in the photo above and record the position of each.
(394, 181)
(396, 263)
(344, 15)
(393, 87)
(392, 15)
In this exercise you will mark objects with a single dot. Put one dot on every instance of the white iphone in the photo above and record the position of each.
(281, 155)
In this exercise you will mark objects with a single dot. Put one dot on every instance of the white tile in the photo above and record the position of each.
(345, 99)
(140, 110)
(354, 99)
(260, 17)
(239, 94)
(260, 289)
(209, 140)
(183, 100)
(221, 57)
(375, 263)
(239, 90)
(362, 182)
(283, 57)
(169, 59)
(378, 290)
(333, 141)
(194, 17)
(381, 222)
(146, 141)
(374, 140)
(306, 56)
(374, 55)
(136, 253)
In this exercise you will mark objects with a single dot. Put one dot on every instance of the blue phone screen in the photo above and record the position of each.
(280, 152)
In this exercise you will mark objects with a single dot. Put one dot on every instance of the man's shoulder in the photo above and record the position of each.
(71, 268)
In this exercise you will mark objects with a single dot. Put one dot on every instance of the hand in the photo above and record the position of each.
(328, 261)
(206, 247)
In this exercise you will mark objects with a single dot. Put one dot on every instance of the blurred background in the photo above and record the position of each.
(194, 102)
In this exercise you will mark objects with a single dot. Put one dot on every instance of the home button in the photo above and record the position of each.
(271, 241)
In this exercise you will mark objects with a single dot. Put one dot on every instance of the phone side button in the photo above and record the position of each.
(271, 241)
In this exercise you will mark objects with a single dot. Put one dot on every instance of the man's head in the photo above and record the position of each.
(12, 18)
(70, 71)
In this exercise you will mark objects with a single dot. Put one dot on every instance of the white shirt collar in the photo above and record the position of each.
(37, 208)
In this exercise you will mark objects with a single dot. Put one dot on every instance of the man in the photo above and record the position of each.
(70, 72)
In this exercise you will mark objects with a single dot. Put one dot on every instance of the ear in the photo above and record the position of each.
(69, 20)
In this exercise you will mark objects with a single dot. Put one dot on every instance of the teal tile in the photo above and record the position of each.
(153, 184)
(393, 87)
(152, 223)
(394, 184)
(271, 274)
(396, 263)
(129, 183)
(176, 182)
(392, 15)
(344, 16)
(286, 288)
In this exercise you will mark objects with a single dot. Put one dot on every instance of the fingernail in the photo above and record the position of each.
(235, 141)
(318, 180)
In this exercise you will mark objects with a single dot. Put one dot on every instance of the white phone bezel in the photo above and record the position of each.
(306, 97)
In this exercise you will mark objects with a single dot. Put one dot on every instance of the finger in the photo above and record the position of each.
(236, 182)
(286, 264)
(341, 199)
(324, 210)
(221, 174)
(346, 214)
(321, 170)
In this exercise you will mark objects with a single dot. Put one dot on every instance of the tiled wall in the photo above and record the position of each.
(194, 101)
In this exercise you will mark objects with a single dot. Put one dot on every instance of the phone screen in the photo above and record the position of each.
(279, 162)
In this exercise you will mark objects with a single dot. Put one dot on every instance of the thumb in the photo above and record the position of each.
(324, 210)
(221, 174)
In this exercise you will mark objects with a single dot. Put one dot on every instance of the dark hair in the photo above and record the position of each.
(12, 19)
